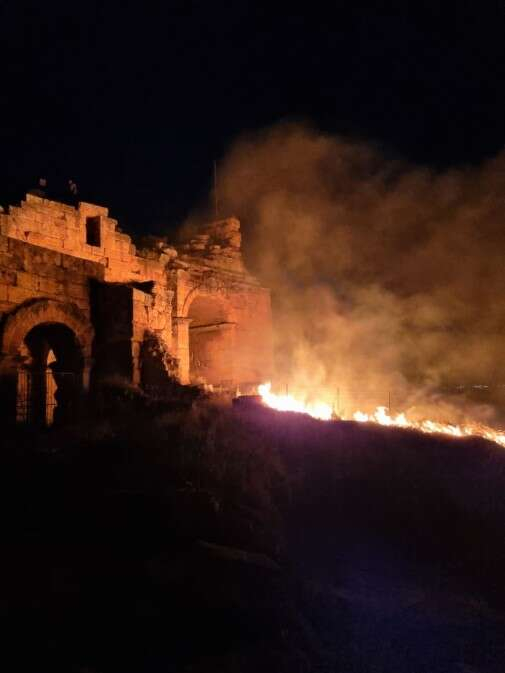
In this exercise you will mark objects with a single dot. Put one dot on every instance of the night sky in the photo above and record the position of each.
(134, 103)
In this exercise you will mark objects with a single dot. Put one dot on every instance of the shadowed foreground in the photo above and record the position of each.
(216, 540)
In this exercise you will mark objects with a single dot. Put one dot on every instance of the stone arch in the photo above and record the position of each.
(211, 340)
(62, 325)
(206, 309)
(50, 380)
(208, 289)
(29, 315)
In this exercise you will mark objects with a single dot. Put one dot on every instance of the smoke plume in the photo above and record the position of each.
(387, 278)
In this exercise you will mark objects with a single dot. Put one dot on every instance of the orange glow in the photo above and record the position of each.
(380, 416)
(289, 403)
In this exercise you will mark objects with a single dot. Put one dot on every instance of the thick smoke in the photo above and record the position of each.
(387, 278)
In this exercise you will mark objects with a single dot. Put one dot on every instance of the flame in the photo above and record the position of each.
(381, 416)
(289, 403)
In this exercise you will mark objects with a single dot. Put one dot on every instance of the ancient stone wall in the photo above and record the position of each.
(209, 274)
(58, 227)
(28, 272)
(37, 287)
(195, 304)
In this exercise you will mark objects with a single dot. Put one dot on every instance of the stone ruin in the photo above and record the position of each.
(79, 304)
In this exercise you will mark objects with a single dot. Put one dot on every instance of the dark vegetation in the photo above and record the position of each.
(149, 537)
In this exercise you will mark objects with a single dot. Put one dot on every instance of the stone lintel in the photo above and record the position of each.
(220, 326)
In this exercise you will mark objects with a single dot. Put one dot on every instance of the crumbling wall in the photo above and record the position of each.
(217, 245)
(57, 226)
(210, 268)
(162, 296)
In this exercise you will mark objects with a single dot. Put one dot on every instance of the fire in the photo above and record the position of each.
(289, 403)
(381, 416)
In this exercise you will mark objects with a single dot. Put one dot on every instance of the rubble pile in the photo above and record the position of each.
(218, 243)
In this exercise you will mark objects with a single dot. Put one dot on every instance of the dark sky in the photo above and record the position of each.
(134, 103)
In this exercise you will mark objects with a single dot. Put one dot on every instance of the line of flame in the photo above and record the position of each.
(289, 403)
(324, 412)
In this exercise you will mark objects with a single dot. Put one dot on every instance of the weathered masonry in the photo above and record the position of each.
(79, 303)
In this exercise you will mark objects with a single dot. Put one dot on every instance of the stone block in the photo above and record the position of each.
(27, 280)
(76, 291)
(15, 261)
(91, 210)
(73, 263)
(17, 295)
(8, 277)
(50, 286)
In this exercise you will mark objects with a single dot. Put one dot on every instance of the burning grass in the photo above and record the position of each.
(381, 416)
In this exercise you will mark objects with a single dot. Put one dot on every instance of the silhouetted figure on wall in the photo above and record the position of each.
(40, 190)
(72, 188)
(64, 191)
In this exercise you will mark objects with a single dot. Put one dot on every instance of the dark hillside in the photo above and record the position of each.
(216, 540)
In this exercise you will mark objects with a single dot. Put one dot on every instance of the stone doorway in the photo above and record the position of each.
(50, 381)
(211, 343)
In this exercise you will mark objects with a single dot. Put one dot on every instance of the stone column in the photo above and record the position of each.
(181, 342)
(88, 363)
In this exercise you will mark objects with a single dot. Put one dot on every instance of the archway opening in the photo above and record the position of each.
(50, 382)
(211, 343)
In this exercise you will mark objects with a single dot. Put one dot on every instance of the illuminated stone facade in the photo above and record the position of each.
(76, 294)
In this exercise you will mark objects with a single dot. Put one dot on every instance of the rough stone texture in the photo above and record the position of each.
(73, 266)
(218, 245)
